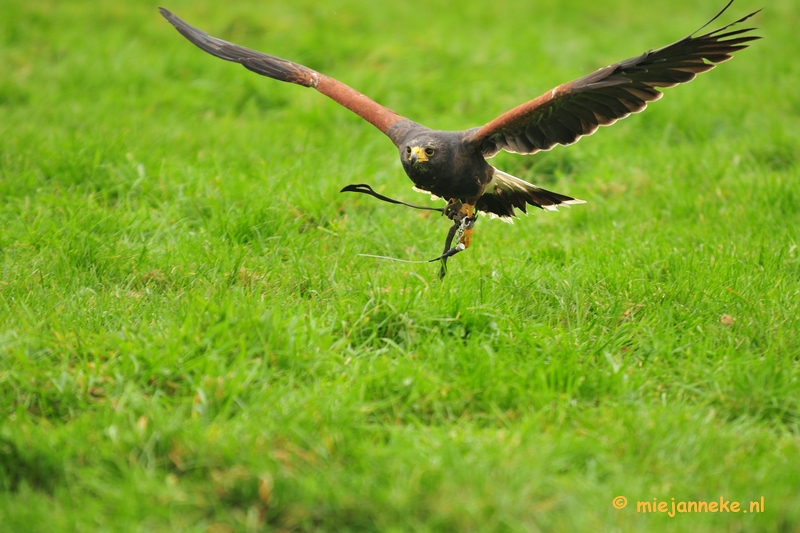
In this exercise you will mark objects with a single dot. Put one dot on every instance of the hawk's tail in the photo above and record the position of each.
(505, 192)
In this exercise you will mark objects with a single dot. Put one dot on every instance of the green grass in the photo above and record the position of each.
(189, 340)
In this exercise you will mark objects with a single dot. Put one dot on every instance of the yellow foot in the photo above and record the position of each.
(468, 211)
(466, 238)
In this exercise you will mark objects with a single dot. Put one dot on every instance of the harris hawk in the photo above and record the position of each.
(452, 164)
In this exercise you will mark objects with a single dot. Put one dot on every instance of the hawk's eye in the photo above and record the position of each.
(408, 149)
(429, 151)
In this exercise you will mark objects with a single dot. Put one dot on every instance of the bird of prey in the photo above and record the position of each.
(452, 164)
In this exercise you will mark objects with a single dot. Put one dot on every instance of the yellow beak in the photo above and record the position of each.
(417, 155)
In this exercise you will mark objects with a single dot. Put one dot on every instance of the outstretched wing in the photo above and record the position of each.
(280, 69)
(572, 110)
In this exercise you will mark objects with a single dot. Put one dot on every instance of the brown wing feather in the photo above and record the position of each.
(280, 69)
(572, 110)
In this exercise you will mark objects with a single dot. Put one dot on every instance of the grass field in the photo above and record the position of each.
(190, 340)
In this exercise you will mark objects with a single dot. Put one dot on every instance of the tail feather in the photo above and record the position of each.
(506, 192)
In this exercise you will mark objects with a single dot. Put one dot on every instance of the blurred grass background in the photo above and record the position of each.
(190, 341)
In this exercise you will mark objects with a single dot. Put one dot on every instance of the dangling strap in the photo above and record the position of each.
(457, 225)
(366, 189)
(449, 253)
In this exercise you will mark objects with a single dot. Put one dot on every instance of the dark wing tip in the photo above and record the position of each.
(288, 71)
(266, 65)
(715, 17)
(574, 109)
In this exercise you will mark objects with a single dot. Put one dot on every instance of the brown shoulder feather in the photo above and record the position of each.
(379, 116)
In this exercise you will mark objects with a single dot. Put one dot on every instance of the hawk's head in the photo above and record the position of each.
(426, 156)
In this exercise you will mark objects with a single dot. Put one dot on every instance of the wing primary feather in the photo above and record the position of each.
(612, 92)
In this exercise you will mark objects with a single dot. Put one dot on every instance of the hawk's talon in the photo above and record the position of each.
(453, 209)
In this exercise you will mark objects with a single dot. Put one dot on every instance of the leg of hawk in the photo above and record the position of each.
(463, 218)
